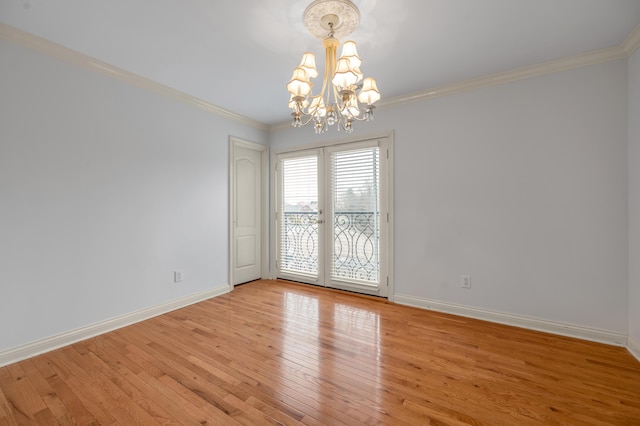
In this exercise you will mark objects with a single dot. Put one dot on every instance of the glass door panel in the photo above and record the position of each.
(354, 218)
(299, 210)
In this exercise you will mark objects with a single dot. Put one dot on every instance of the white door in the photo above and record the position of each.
(356, 220)
(332, 217)
(299, 216)
(246, 198)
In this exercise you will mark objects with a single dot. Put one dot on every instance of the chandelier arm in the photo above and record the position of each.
(308, 118)
(336, 98)
(358, 118)
(313, 107)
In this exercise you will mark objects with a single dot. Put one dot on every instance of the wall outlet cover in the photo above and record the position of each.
(465, 281)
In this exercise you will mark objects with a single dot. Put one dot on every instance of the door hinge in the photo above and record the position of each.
(387, 153)
(387, 281)
(387, 217)
(275, 215)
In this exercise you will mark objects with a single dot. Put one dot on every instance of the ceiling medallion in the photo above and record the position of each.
(344, 15)
(345, 96)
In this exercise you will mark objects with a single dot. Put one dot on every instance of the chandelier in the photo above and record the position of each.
(345, 96)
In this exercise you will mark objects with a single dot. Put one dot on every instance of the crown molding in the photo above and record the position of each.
(632, 43)
(279, 126)
(563, 64)
(42, 45)
(33, 42)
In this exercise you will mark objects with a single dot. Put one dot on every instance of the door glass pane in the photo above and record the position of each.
(299, 224)
(355, 205)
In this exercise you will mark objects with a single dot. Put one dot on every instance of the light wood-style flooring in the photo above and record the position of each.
(282, 353)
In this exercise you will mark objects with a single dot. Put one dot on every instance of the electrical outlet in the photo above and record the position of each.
(178, 276)
(465, 281)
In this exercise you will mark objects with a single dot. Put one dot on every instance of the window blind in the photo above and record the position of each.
(355, 210)
(299, 215)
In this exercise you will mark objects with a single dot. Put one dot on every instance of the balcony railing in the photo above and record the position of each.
(355, 244)
(299, 252)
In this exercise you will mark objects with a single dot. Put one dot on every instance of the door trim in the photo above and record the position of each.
(264, 204)
(273, 243)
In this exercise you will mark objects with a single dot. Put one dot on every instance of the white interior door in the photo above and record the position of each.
(332, 217)
(246, 199)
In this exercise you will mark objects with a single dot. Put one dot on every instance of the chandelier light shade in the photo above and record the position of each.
(345, 95)
(369, 93)
(299, 84)
(308, 64)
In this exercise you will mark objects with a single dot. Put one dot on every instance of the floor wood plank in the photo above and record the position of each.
(273, 352)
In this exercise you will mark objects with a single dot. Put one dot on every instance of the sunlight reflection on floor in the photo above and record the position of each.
(307, 356)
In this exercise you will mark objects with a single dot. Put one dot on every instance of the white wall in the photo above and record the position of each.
(522, 186)
(634, 203)
(105, 189)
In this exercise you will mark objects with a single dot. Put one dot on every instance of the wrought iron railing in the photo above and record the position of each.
(355, 246)
(355, 242)
(299, 252)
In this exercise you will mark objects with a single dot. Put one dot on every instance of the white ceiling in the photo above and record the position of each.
(239, 54)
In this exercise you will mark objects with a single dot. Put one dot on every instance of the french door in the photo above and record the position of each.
(332, 216)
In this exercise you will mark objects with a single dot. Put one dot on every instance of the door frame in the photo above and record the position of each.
(264, 204)
(390, 199)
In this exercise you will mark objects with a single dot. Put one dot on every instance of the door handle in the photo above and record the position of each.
(319, 221)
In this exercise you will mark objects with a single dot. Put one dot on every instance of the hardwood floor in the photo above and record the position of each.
(282, 353)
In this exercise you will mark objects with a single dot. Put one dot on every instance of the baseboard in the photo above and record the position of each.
(633, 346)
(570, 330)
(54, 342)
